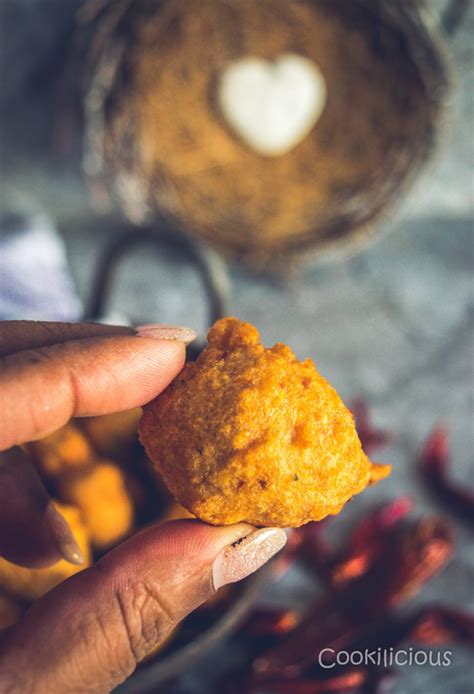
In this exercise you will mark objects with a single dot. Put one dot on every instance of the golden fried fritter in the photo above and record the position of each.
(63, 451)
(102, 497)
(252, 434)
(31, 584)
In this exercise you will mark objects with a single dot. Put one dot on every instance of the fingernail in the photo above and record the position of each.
(156, 331)
(246, 555)
(62, 533)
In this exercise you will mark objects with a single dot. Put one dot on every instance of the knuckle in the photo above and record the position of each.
(145, 617)
(124, 627)
(109, 664)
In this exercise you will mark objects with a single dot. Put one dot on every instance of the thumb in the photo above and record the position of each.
(90, 632)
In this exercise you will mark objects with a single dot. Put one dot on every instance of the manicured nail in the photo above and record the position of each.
(156, 331)
(246, 555)
(62, 533)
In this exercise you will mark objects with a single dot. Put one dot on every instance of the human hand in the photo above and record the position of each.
(89, 633)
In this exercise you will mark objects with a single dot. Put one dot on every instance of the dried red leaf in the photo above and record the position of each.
(434, 462)
(371, 438)
(414, 554)
(308, 545)
(266, 622)
(315, 552)
(367, 540)
(438, 625)
(411, 556)
(324, 627)
(433, 625)
(350, 681)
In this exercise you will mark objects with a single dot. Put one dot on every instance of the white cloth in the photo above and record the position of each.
(35, 280)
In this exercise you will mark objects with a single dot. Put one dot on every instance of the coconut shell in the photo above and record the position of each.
(156, 136)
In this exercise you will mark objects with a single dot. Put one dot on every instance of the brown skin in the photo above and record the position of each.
(32, 583)
(89, 633)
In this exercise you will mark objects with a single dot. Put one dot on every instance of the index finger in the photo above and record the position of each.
(17, 335)
(40, 390)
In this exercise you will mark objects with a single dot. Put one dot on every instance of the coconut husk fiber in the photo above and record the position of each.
(166, 150)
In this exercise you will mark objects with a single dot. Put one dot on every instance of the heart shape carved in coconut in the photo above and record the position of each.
(272, 106)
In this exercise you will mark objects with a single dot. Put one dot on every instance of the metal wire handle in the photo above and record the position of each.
(210, 266)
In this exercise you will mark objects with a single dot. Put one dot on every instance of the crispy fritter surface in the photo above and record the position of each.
(252, 434)
(66, 450)
(102, 497)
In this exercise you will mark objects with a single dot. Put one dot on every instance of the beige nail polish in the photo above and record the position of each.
(247, 555)
(173, 333)
(62, 533)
